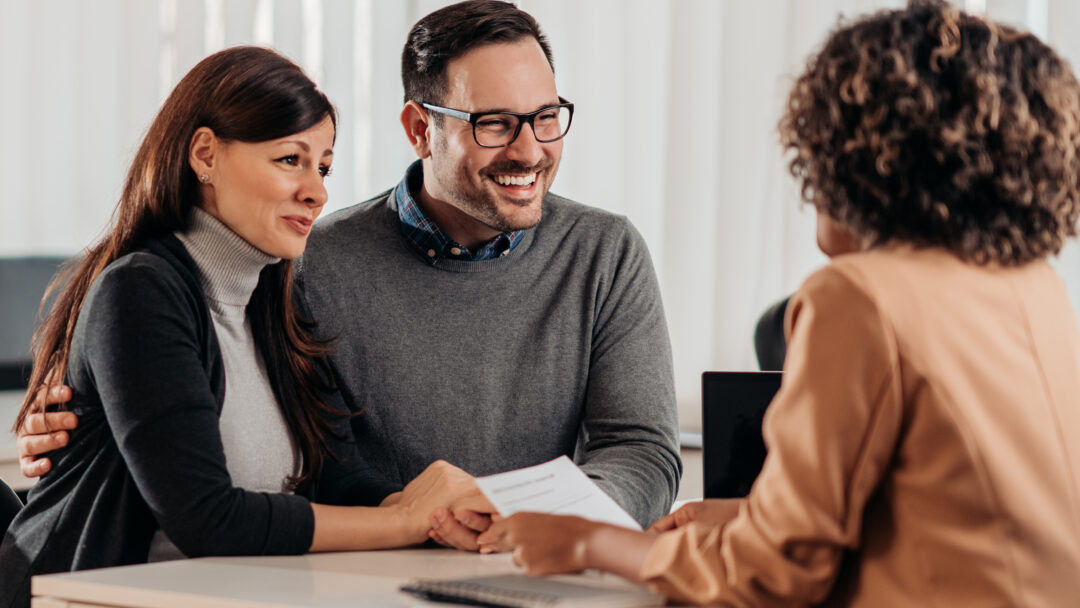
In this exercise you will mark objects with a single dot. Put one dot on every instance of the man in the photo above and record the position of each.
(477, 317)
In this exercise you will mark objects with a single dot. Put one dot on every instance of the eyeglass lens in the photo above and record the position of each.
(498, 129)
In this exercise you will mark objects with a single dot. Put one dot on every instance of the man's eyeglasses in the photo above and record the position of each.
(498, 129)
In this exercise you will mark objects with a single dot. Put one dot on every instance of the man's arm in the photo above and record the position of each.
(42, 433)
(631, 424)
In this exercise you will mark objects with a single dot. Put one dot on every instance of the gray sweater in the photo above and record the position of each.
(559, 347)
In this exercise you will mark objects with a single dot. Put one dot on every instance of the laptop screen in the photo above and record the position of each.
(732, 407)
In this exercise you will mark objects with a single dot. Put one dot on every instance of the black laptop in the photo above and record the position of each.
(732, 407)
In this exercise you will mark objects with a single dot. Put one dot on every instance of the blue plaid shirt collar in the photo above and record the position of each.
(428, 239)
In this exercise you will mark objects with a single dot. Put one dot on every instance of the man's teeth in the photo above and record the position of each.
(515, 180)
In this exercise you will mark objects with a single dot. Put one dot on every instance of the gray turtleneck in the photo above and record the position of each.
(259, 449)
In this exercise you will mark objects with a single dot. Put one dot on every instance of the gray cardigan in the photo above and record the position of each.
(148, 385)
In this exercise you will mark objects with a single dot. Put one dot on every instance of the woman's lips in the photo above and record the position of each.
(299, 223)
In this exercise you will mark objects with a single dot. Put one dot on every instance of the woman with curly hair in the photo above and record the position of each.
(923, 447)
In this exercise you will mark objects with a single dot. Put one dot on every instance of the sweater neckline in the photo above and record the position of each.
(229, 266)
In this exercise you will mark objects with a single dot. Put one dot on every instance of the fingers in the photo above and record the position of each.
(31, 467)
(477, 522)
(446, 529)
(473, 501)
(663, 524)
(37, 424)
(495, 538)
(433, 535)
(53, 395)
(31, 446)
(684, 516)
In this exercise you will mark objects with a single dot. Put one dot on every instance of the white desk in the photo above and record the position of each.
(10, 401)
(368, 578)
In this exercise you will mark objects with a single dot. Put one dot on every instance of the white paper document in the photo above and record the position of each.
(559, 487)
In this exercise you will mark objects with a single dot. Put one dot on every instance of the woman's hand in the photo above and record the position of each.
(542, 543)
(555, 544)
(710, 512)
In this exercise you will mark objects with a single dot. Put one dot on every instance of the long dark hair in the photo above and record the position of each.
(247, 94)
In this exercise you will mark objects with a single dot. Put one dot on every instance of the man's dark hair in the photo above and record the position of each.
(453, 31)
(934, 127)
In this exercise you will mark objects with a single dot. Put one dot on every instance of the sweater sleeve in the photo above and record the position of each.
(631, 427)
(145, 348)
(830, 433)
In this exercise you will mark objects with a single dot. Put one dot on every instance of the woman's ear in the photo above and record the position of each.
(416, 122)
(201, 153)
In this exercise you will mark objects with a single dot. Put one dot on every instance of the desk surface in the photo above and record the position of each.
(366, 578)
(318, 580)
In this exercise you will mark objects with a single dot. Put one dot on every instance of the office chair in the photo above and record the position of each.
(9, 506)
(22, 284)
(769, 343)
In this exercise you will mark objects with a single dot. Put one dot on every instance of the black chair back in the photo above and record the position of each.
(769, 343)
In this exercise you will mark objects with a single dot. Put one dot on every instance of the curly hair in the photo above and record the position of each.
(937, 128)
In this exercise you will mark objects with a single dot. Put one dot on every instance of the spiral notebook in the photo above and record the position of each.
(522, 591)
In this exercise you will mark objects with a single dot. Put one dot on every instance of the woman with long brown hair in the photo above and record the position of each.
(923, 445)
(207, 419)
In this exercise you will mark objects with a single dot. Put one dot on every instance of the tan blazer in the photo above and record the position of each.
(924, 449)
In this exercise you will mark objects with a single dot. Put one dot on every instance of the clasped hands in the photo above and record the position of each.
(542, 543)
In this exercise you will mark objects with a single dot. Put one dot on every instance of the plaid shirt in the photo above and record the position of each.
(428, 239)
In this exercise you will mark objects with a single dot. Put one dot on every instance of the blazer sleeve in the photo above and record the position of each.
(142, 345)
(830, 433)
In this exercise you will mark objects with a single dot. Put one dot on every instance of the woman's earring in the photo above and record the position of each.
(204, 178)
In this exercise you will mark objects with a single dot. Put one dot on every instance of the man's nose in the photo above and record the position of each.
(525, 149)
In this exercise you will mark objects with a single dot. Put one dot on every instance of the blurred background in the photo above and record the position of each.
(675, 125)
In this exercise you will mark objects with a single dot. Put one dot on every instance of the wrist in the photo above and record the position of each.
(592, 543)
(406, 525)
(391, 499)
(617, 550)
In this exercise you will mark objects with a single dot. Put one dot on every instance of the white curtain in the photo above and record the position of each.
(677, 102)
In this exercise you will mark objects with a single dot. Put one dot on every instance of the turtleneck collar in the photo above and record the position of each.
(229, 266)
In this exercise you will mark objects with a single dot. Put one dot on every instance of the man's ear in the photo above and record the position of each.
(416, 122)
(201, 153)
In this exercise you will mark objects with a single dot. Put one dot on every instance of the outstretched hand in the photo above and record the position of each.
(709, 512)
(542, 543)
(556, 544)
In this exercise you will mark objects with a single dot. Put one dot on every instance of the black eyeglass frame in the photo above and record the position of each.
(473, 118)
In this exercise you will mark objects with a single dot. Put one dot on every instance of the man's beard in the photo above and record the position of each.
(483, 205)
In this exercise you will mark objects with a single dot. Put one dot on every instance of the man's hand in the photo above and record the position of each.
(42, 433)
(439, 486)
(710, 512)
